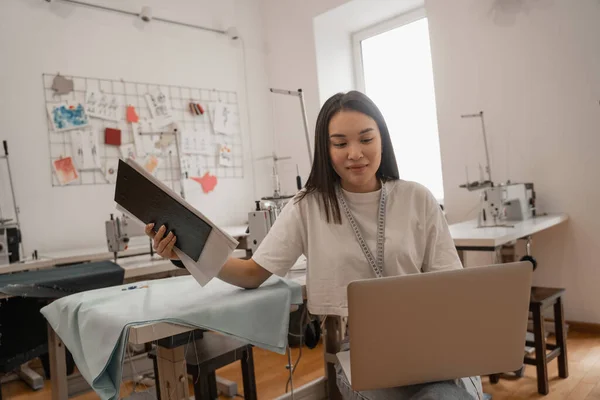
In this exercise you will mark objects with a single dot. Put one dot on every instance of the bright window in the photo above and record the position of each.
(394, 69)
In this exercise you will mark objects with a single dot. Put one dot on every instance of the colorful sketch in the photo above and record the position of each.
(65, 170)
(208, 182)
(101, 105)
(151, 164)
(67, 116)
(225, 155)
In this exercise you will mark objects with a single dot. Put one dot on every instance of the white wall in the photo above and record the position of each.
(291, 64)
(37, 37)
(533, 68)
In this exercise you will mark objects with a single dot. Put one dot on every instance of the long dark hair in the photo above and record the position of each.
(323, 178)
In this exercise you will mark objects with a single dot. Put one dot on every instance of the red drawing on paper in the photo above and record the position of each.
(132, 115)
(65, 170)
(208, 182)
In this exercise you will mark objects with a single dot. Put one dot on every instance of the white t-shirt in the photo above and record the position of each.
(417, 240)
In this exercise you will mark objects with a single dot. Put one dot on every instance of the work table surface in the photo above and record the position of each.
(467, 234)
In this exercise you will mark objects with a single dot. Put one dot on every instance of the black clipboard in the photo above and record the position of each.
(139, 195)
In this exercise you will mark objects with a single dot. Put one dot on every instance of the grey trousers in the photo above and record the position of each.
(460, 389)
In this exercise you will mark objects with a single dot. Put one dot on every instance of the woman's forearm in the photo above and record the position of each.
(243, 273)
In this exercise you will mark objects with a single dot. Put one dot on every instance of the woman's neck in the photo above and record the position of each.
(371, 186)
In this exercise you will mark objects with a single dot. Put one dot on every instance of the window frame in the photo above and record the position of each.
(377, 29)
(374, 30)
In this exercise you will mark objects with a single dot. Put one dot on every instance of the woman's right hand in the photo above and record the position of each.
(162, 245)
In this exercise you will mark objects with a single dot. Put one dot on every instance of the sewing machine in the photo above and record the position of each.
(119, 232)
(10, 239)
(262, 219)
(506, 202)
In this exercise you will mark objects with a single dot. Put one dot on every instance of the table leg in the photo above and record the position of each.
(333, 337)
(172, 373)
(58, 366)
(461, 256)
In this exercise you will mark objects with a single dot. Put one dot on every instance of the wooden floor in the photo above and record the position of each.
(271, 376)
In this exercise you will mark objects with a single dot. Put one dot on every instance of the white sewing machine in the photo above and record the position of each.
(506, 202)
(119, 232)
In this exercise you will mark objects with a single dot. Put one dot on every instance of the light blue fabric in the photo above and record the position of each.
(93, 325)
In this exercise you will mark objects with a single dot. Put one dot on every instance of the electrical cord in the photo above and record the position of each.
(476, 390)
(301, 336)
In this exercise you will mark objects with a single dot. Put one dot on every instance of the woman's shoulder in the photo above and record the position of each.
(402, 187)
(410, 191)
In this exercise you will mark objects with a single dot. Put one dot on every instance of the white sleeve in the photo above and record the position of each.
(440, 251)
(283, 244)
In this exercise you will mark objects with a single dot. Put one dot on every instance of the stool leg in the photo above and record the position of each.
(212, 385)
(248, 375)
(559, 327)
(540, 350)
(201, 385)
(156, 379)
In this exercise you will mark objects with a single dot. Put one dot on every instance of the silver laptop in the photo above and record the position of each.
(436, 326)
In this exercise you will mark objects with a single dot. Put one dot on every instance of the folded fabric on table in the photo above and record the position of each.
(94, 325)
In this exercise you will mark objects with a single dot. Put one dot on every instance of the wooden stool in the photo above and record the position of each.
(541, 299)
(206, 355)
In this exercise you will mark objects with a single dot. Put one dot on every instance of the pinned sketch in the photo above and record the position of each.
(62, 85)
(85, 149)
(225, 155)
(128, 151)
(226, 119)
(110, 170)
(67, 115)
(151, 163)
(194, 142)
(207, 181)
(144, 142)
(186, 163)
(65, 170)
(102, 105)
(159, 104)
(131, 114)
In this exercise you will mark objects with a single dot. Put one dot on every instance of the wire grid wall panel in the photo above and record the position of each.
(170, 169)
